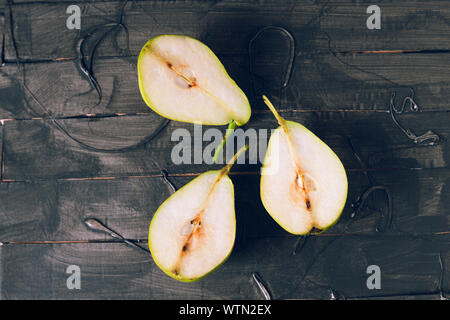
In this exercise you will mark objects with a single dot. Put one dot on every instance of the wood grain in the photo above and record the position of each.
(317, 83)
(228, 25)
(112, 271)
(54, 210)
(49, 210)
(341, 85)
(318, 80)
(45, 152)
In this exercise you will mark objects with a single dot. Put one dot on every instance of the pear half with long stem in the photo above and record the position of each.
(181, 79)
(193, 231)
(303, 182)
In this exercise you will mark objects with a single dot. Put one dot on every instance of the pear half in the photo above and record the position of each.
(303, 182)
(180, 78)
(193, 231)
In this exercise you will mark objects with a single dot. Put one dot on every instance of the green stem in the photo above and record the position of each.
(230, 163)
(229, 132)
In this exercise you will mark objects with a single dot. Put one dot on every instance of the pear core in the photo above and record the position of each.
(303, 182)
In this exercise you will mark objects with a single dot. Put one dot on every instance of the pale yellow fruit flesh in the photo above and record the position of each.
(181, 79)
(194, 230)
(300, 205)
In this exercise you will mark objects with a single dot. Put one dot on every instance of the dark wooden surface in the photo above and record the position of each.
(340, 88)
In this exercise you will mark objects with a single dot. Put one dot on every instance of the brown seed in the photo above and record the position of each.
(308, 204)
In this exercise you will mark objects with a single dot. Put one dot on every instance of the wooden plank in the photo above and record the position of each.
(406, 267)
(144, 20)
(319, 81)
(28, 210)
(2, 167)
(39, 272)
(62, 90)
(364, 82)
(354, 82)
(49, 210)
(420, 203)
(46, 153)
(417, 25)
(368, 81)
(81, 162)
(419, 207)
(42, 34)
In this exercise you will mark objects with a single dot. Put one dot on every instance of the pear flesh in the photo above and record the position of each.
(181, 79)
(303, 182)
(193, 231)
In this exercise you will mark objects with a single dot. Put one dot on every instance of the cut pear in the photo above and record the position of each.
(303, 182)
(193, 231)
(180, 78)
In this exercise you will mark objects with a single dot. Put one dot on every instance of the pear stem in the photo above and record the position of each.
(230, 163)
(280, 120)
(229, 132)
(224, 172)
(196, 221)
(282, 123)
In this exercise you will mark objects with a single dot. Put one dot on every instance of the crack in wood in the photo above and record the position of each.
(189, 174)
(145, 240)
(255, 112)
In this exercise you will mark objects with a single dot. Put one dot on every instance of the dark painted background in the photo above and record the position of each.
(341, 85)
